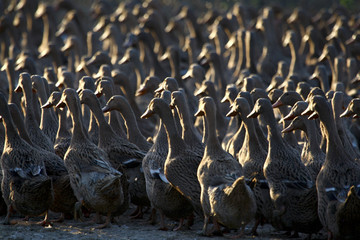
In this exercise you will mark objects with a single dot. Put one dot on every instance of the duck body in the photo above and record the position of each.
(338, 179)
(232, 195)
(25, 185)
(181, 163)
(224, 194)
(162, 195)
(96, 184)
(291, 189)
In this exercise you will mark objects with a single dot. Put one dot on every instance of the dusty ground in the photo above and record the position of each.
(127, 229)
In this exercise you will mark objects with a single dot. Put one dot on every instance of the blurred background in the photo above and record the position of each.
(353, 6)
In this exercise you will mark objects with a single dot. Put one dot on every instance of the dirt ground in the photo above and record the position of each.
(125, 229)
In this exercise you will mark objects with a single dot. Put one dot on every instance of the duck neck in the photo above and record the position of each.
(46, 33)
(139, 71)
(274, 137)
(251, 139)
(10, 73)
(294, 59)
(334, 145)
(29, 105)
(312, 139)
(78, 135)
(176, 144)
(133, 132)
(161, 142)
(11, 134)
(95, 108)
(212, 142)
(184, 115)
(219, 75)
(62, 128)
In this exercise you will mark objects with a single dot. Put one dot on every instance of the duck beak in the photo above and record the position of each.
(307, 111)
(350, 41)
(313, 116)
(106, 109)
(61, 104)
(200, 91)
(288, 129)
(186, 75)
(141, 91)
(123, 60)
(164, 57)
(58, 84)
(47, 105)
(159, 89)
(18, 89)
(3, 68)
(269, 88)
(322, 57)
(230, 43)
(231, 113)
(347, 113)
(252, 114)
(224, 99)
(97, 94)
(148, 113)
(172, 104)
(278, 103)
(290, 116)
(199, 113)
(313, 76)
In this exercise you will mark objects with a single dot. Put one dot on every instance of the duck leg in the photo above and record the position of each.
(60, 219)
(137, 214)
(162, 221)
(216, 231)
(77, 212)
(107, 222)
(190, 220)
(240, 235)
(8, 214)
(46, 221)
(152, 218)
(98, 218)
(181, 223)
(254, 229)
(204, 229)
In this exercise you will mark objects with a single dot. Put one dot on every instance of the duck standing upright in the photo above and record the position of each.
(224, 193)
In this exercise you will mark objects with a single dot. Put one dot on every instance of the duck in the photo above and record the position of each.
(181, 163)
(63, 136)
(26, 188)
(224, 193)
(36, 135)
(345, 135)
(234, 123)
(338, 178)
(120, 103)
(64, 199)
(288, 179)
(8, 66)
(208, 88)
(89, 120)
(253, 161)
(48, 123)
(132, 95)
(162, 195)
(96, 184)
(120, 152)
(189, 133)
(311, 155)
(105, 87)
